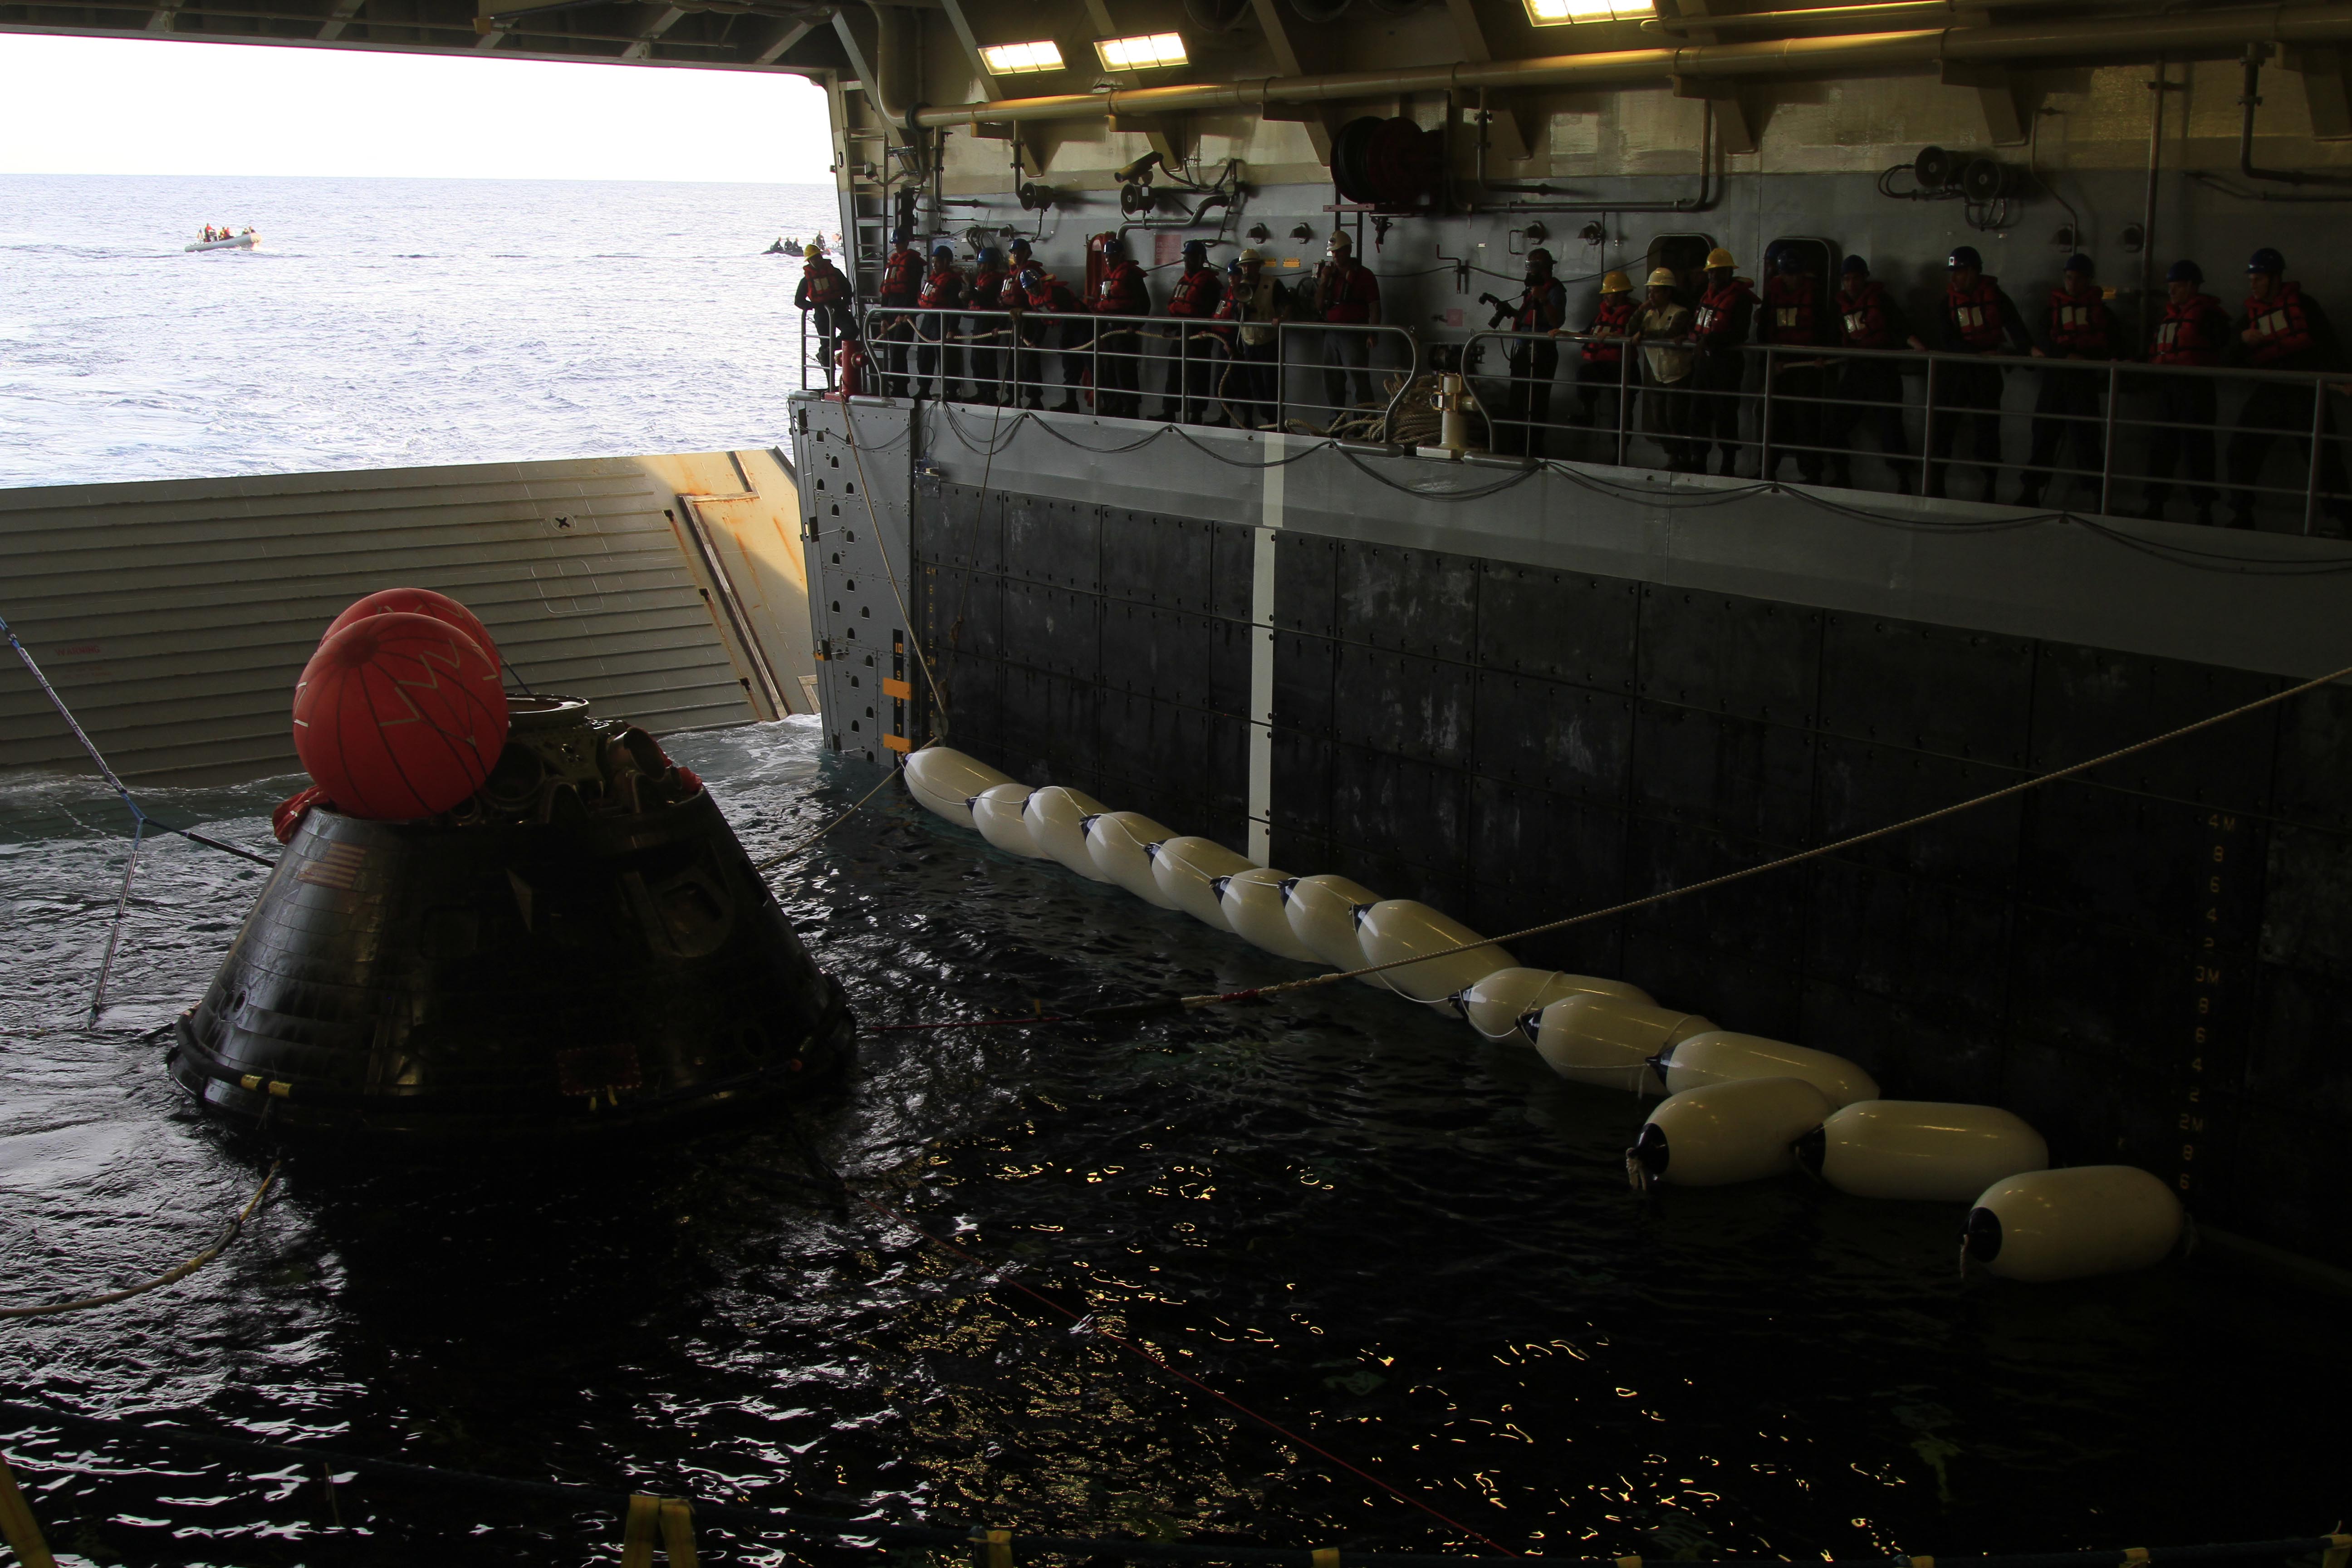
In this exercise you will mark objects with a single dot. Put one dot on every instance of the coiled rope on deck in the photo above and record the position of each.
(230, 1230)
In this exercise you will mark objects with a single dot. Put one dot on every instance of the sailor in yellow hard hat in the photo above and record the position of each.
(1664, 329)
(1603, 368)
(1726, 312)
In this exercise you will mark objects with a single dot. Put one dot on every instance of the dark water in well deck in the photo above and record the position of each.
(1415, 1248)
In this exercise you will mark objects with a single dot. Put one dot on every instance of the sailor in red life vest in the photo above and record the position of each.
(1979, 320)
(1257, 302)
(1194, 359)
(2282, 328)
(825, 294)
(1542, 308)
(1043, 297)
(1118, 347)
(2195, 330)
(987, 334)
(1868, 389)
(940, 335)
(1345, 293)
(1602, 368)
(1719, 329)
(902, 272)
(2081, 328)
(1792, 318)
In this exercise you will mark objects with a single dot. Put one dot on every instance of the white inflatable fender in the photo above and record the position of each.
(1188, 869)
(1002, 816)
(1497, 1002)
(1920, 1149)
(946, 780)
(1057, 816)
(1402, 928)
(1720, 1056)
(1322, 914)
(1739, 1131)
(1121, 843)
(2072, 1224)
(1608, 1041)
(1256, 911)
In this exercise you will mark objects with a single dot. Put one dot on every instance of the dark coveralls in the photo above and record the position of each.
(940, 334)
(1247, 387)
(2196, 333)
(1869, 389)
(1520, 432)
(2292, 333)
(1049, 297)
(1347, 293)
(1792, 319)
(2080, 328)
(1191, 369)
(1122, 292)
(824, 293)
(1976, 321)
(1603, 367)
(1719, 331)
(989, 334)
(901, 285)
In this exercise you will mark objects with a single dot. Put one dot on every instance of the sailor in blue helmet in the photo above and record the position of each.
(940, 334)
(1869, 388)
(902, 284)
(1793, 318)
(1121, 290)
(2073, 401)
(2194, 333)
(1192, 361)
(987, 334)
(1977, 320)
(2283, 328)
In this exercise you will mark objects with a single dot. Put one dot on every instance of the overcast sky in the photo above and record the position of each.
(125, 106)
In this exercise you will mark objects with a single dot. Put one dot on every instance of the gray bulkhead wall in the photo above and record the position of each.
(1551, 700)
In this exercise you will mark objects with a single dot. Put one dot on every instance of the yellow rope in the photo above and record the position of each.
(178, 1272)
(1814, 854)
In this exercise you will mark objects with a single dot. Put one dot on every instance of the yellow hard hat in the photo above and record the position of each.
(1664, 278)
(1339, 240)
(1252, 254)
(1719, 256)
(1616, 283)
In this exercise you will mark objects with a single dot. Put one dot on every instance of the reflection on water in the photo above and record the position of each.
(1414, 1248)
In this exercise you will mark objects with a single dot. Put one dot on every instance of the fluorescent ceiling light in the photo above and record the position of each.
(1552, 13)
(1014, 60)
(1143, 52)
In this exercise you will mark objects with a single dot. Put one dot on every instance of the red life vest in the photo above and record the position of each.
(826, 286)
(1615, 312)
(1122, 292)
(1789, 303)
(899, 277)
(1543, 300)
(2282, 326)
(1347, 293)
(1197, 293)
(1049, 293)
(942, 290)
(2080, 325)
(986, 286)
(2187, 336)
(1976, 314)
(1718, 312)
(1862, 318)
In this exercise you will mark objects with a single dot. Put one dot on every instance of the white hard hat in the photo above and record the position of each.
(1664, 278)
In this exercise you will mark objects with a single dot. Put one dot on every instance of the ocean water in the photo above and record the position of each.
(388, 322)
(1414, 1249)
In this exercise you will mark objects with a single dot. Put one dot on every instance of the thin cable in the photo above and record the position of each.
(1145, 1352)
(114, 930)
(229, 1234)
(781, 855)
(856, 452)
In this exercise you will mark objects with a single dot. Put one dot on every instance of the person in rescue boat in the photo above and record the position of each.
(986, 355)
(2081, 328)
(1118, 346)
(1542, 308)
(1980, 319)
(1194, 360)
(1792, 318)
(901, 285)
(941, 335)
(1043, 297)
(825, 294)
(1719, 332)
(1867, 387)
(1601, 365)
(2195, 330)
(1256, 302)
(1665, 334)
(1345, 294)
(2282, 328)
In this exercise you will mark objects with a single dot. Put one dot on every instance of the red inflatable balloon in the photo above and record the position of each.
(399, 715)
(419, 602)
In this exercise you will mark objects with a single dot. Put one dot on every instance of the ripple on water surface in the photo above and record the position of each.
(1411, 1248)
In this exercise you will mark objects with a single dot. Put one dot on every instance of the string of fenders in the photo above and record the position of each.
(1735, 1107)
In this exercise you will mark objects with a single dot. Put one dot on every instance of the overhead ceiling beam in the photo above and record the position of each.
(338, 19)
(971, 57)
(670, 16)
(782, 43)
(1285, 60)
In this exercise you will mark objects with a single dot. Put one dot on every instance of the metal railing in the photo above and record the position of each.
(2127, 425)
